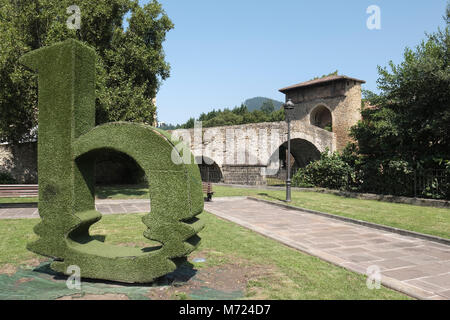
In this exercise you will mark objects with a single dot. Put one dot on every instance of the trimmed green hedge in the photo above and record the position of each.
(67, 146)
(328, 172)
(7, 178)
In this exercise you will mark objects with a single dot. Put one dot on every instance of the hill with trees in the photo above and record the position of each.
(237, 116)
(258, 102)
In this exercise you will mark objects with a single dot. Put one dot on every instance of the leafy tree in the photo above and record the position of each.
(240, 110)
(409, 127)
(412, 119)
(130, 63)
(189, 124)
(237, 116)
(447, 17)
(277, 116)
(268, 107)
(406, 129)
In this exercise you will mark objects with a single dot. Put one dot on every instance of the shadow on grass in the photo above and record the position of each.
(180, 276)
(269, 196)
(107, 192)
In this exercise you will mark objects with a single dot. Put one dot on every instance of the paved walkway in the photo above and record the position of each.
(104, 206)
(420, 268)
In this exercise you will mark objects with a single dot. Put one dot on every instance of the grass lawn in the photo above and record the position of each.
(17, 200)
(274, 270)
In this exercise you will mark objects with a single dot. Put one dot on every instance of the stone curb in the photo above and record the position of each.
(362, 223)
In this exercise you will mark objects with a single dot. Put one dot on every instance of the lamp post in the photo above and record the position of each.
(288, 107)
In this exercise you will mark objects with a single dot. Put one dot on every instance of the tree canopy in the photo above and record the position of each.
(130, 62)
(237, 116)
(411, 120)
(405, 131)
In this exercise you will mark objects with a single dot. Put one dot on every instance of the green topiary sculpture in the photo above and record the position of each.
(67, 146)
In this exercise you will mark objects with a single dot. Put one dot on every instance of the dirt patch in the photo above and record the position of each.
(8, 269)
(227, 281)
(11, 269)
(34, 262)
(23, 280)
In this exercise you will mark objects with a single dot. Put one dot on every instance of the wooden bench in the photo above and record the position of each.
(18, 190)
(208, 190)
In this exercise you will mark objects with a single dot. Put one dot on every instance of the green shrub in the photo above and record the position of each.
(329, 172)
(6, 178)
(392, 177)
(301, 179)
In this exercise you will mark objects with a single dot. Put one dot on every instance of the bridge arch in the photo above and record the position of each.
(303, 152)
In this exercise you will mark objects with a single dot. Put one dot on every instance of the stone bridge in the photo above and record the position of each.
(325, 110)
(245, 154)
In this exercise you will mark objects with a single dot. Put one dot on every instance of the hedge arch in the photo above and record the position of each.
(67, 145)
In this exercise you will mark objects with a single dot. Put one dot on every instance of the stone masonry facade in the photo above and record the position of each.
(20, 162)
(244, 153)
(342, 97)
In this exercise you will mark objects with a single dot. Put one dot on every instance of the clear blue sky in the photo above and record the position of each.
(225, 51)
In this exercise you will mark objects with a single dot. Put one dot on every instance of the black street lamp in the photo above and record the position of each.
(288, 107)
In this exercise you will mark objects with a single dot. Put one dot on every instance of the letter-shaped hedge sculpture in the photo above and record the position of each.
(67, 146)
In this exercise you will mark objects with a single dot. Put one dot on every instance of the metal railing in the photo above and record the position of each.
(432, 183)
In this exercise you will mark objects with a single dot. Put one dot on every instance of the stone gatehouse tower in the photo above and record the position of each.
(332, 103)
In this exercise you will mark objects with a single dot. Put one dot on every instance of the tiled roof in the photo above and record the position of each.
(319, 81)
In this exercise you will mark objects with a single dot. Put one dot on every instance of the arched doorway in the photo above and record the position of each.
(209, 170)
(321, 117)
(116, 173)
(303, 153)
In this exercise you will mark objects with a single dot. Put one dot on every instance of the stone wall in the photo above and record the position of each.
(20, 161)
(248, 175)
(321, 91)
(252, 144)
(243, 152)
(342, 98)
(347, 115)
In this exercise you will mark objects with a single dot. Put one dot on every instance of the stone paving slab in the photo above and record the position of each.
(417, 267)
(103, 206)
